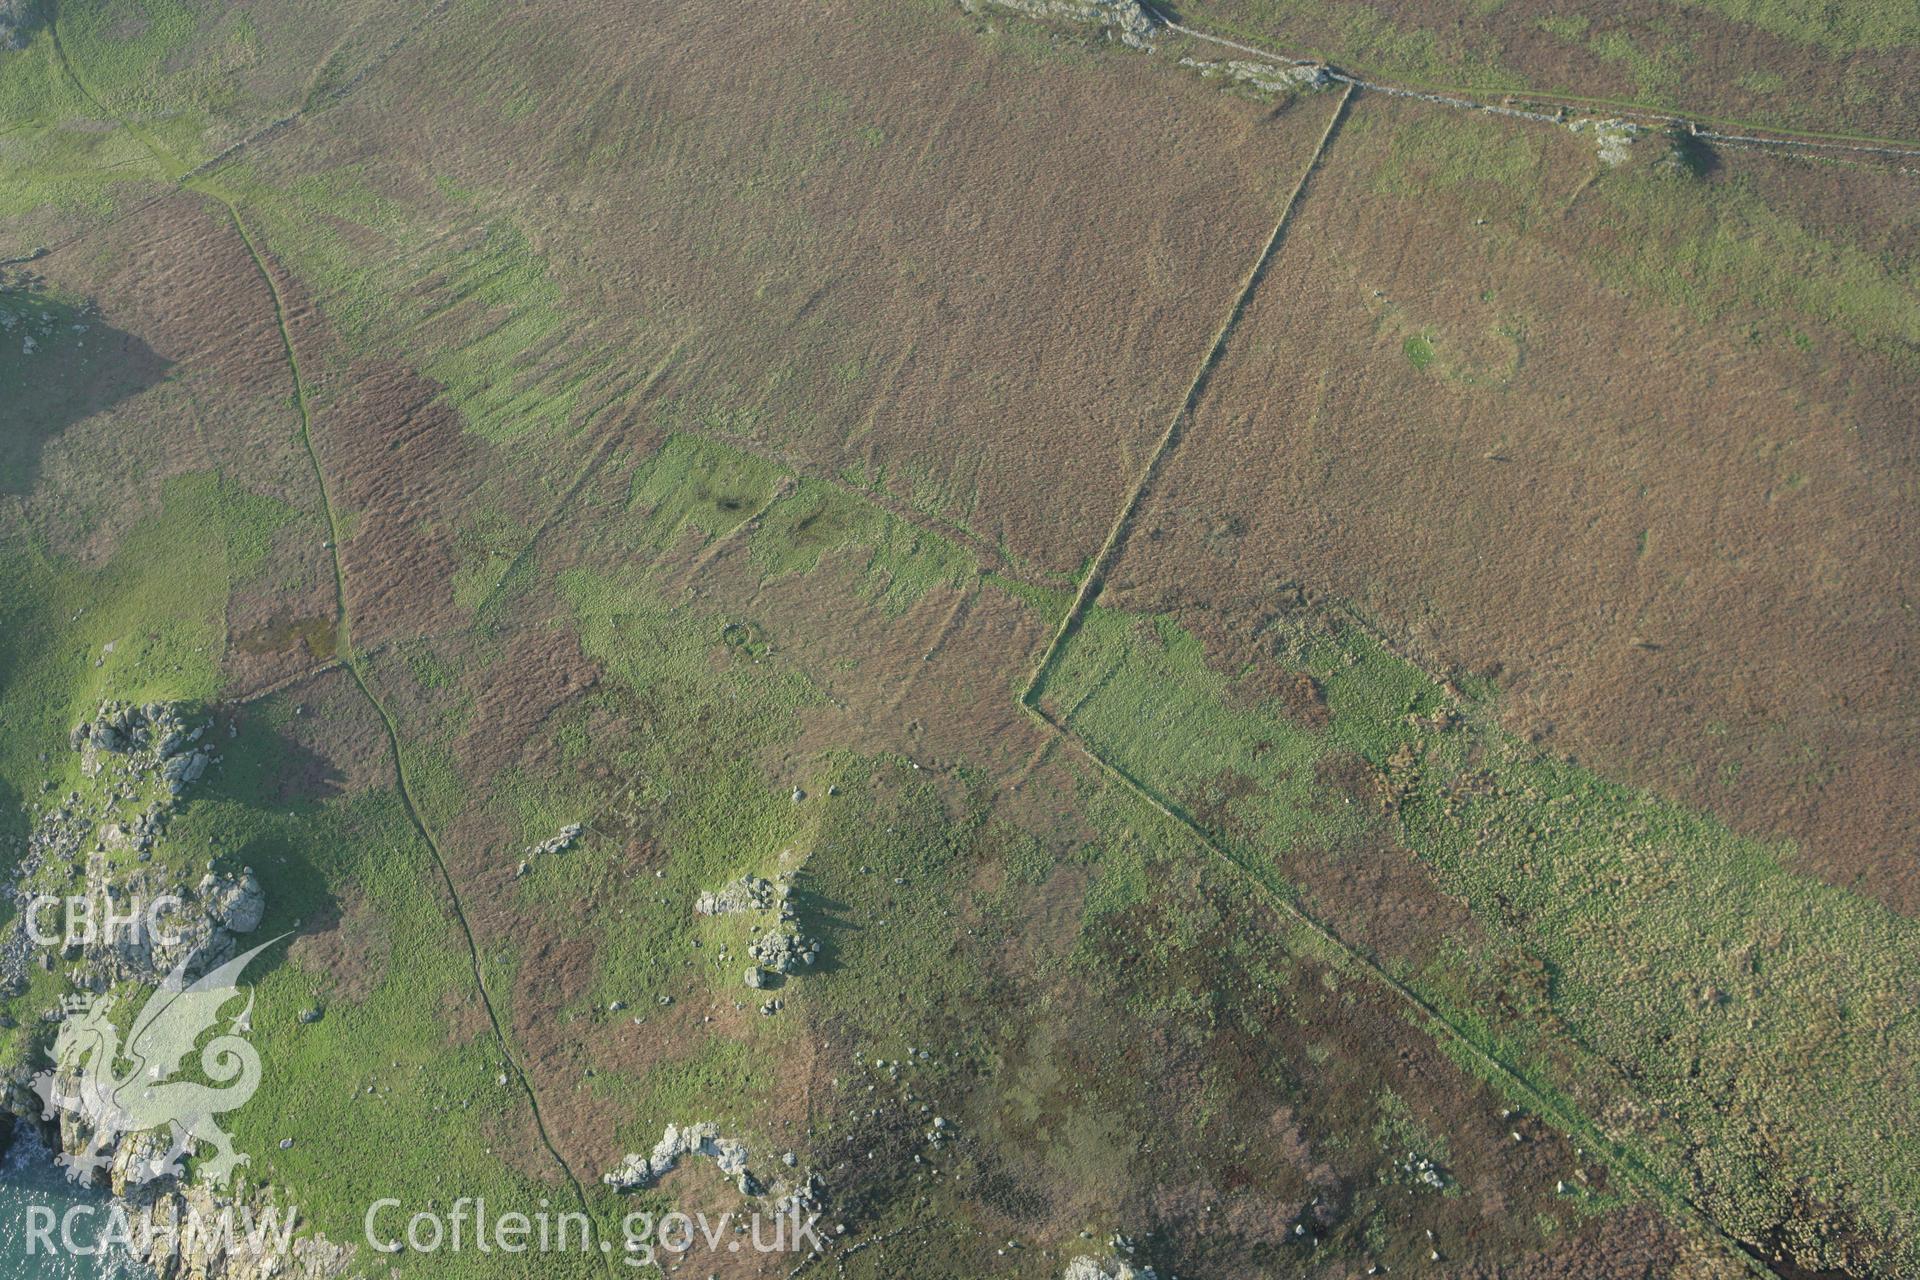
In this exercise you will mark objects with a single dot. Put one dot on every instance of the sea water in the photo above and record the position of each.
(29, 1177)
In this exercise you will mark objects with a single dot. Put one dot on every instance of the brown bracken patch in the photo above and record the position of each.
(403, 472)
(1696, 587)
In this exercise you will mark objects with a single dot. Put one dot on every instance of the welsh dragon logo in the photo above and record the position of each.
(117, 1091)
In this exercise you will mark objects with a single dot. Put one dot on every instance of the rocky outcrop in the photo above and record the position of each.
(140, 761)
(559, 842)
(1126, 20)
(748, 893)
(809, 1195)
(1120, 1267)
(778, 947)
(700, 1139)
(1267, 77)
(199, 926)
(1086, 1268)
(175, 1229)
(125, 920)
(175, 1253)
(802, 1190)
(152, 738)
(1611, 138)
(783, 949)
(235, 904)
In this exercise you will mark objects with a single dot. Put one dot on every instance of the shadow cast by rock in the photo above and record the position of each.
(60, 364)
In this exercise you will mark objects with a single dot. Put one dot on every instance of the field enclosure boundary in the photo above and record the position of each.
(1755, 135)
(1426, 1015)
(1096, 573)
